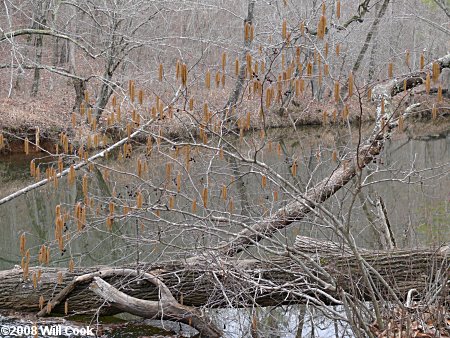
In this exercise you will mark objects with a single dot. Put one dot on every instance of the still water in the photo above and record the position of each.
(412, 178)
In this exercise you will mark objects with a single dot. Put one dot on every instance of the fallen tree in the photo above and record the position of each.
(285, 279)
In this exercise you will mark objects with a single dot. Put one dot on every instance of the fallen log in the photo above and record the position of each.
(226, 283)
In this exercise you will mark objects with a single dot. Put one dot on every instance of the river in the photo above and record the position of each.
(411, 177)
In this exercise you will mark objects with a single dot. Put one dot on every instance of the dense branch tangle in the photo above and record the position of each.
(184, 192)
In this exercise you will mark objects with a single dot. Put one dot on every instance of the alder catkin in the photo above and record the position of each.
(160, 72)
(178, 182)
(309, 69)
(321, 28)
(71, 265)
(324, 117)
(139, 200)
(248, 59)
(140, 96)
(428, 83)
(218, 77)
(168, 171)
(32, 168)
(391, 70)
(184, 75)
(246, 31)
(294, 169)
(336, 92)
(284, 30)
(345, 112)
(23, 242)
(224, 61)
(436, 71)
(422, 61)
(208, 80)
(171, 202)
(401, 123)
(224, 192)
(434, 112)
(26, 146)
(205, 197)
(131, 90)
(37, 138)
(85, 185)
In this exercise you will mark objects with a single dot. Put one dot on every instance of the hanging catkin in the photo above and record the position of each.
(160, 72)
(436, 71)
(205, 197)
(350, 84)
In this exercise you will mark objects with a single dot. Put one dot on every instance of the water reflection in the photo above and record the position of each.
(411, 178)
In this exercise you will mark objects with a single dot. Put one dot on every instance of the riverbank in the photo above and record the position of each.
(20, 119)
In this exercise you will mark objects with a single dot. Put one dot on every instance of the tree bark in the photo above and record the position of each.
(282, 280)
(40, 22)
(236, 93)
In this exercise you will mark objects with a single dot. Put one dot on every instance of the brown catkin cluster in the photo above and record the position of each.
(160, 72)
(436, 71)
(182, 73)
(248, 32)
(131, 90)
(322, 26)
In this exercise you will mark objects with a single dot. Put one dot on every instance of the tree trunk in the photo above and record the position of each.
(40, 23)
(105, 93)
(282, 280)
(80, 87)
